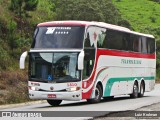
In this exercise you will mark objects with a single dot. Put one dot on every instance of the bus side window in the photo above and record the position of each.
(151, 45)
(136, 43)
(89, 50)
(126, 42)
(101, 42)
(116, 40)
(87, 41)
(148, 46)
(130, 43)
(88, 62)
(144, 44)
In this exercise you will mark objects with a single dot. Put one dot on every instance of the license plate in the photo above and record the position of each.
(51, 95)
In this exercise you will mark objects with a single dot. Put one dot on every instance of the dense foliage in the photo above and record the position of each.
(91, 10)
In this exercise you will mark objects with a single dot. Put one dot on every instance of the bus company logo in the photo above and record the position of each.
(51, 88)
(127, 61)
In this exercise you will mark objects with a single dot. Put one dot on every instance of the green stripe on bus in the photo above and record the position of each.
(111, 81)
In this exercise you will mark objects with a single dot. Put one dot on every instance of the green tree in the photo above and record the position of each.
(30, 5)
(11, 36)
(21, 7)
(91, 10)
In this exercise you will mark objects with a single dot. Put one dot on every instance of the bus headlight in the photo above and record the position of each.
(71, 89)
(33, 88)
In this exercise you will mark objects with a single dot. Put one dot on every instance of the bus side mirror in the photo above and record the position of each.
(81, 60)
(22, 60)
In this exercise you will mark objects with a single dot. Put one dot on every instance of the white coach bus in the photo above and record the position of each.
(75, 60)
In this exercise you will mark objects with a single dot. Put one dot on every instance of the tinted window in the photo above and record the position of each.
(117, 40)
(151, 45)
(57, 67)
(130, 42)
(95, 37)
(91, 42)
(144, 44)
(87, 41)
(136, 43)
(111, 39)
(59, 37)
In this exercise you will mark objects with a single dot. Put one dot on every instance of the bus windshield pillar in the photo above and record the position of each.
(81, 60)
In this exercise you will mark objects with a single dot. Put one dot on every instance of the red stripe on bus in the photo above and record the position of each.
(87, 95)
(124, 54)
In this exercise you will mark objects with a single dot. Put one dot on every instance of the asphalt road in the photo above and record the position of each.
(119, 103)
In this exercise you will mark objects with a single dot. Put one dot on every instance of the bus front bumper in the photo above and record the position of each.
(75, 95)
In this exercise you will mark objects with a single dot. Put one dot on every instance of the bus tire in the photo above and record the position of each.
(54, 102)
(142, 89)
(135, 90)
(98, 95)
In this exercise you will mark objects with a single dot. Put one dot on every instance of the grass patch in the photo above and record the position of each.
(140, 13)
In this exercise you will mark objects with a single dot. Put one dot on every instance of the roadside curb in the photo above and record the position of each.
(21, 104)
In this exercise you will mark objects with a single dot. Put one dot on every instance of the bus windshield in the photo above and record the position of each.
(58, 37)
(54, 67)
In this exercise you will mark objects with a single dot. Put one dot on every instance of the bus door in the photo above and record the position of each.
(89, 59)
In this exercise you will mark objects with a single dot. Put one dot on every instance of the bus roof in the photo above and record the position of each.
(88, 23)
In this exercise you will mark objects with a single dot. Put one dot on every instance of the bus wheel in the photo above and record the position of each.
(98, 95)
(135, 91)
(54, 102)
(142, 89)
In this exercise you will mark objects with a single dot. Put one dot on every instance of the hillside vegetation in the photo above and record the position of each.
(15, 38)
(142, 14)
(18, 19)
